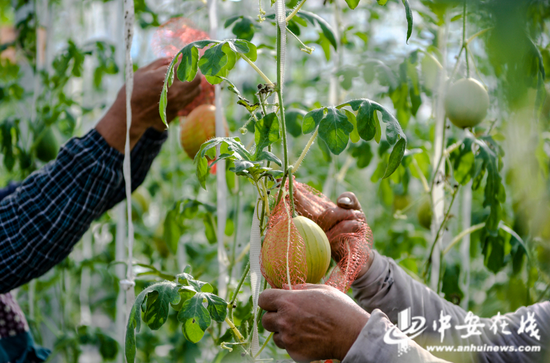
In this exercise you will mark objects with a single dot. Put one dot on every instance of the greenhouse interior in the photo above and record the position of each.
(274, 181)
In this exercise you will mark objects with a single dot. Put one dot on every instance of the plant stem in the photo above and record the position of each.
(258, 70)
(234, 247)
(422, 177)
(291, 191)
(280, 195)
(461, 235)
(263, 346)
(305, 48)
(295, 11)
(464, 45)
(306, 149)
(282, 112)
(234, 329)
(440, 229)
(438, 64)
(245, 273)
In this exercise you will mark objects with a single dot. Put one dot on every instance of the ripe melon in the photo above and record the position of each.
(317, 252)
(198, 127)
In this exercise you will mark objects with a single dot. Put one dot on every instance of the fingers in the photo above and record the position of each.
(344, 227)
(348, 200)
(278, 340)
(268, 299)
(333, 216)
(156, 64)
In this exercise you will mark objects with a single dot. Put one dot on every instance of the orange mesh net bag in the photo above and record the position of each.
(169, 39)
(287, 256)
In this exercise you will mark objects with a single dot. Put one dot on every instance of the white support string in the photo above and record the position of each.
(438, 192)
(129, 283)
(255, 275)
(221, 203)
(281, 23)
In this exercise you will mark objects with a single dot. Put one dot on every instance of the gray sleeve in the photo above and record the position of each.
(372, 345)
(388, 288)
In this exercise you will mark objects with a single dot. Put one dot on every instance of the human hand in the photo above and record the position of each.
(338, 221)
(317, 323)
(148, 82)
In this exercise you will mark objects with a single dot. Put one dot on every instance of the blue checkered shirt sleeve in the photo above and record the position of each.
(48, 214)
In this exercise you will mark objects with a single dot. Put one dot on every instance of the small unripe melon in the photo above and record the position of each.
(425, 214)
(198, 127)
(48, 146)
(317, 250)
(466, 103)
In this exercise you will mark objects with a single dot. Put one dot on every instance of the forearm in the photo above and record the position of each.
(388, 288)
(52, 209)
(142, 156)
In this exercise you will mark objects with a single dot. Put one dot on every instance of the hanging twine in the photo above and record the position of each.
(129, 283)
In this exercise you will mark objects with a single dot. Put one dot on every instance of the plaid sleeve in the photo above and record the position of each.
(143, 154)
(48, 214)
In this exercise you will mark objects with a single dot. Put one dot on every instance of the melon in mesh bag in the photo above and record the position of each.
(295, 251)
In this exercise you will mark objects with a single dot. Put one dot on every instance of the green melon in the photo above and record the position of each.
(48, 146)
(317, 251)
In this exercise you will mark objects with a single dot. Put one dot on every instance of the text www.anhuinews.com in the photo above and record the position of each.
(483, 348)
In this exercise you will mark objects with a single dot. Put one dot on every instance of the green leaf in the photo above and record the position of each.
(246, 48)
(409, 15)
(395, 157)
(312, 120)
(378, 134)
(244, 28)
(159, 312)
(172, 231)
(494, 192)
(334, 129)
(267, 156)
(382, 2)
(354, 135)
(325, 26)
(241, 165)
(217, 307)
(363, 153)
(347, 73)
(210, 228)
(266, 132)
(158, 303)
(187, 69)
(168, 80)
(464, 163)
(493, 251)
(365, 117)
(352, 3)
(217, 61)
(230, 147)
(293, 119)
(414, 85)
(202, 170)
(231, 20)
(195, 318)
(365, 121)
(186, 293)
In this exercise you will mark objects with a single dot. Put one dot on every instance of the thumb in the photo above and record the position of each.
(348, 200)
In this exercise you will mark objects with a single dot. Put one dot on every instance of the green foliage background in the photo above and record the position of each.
(365, 54)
